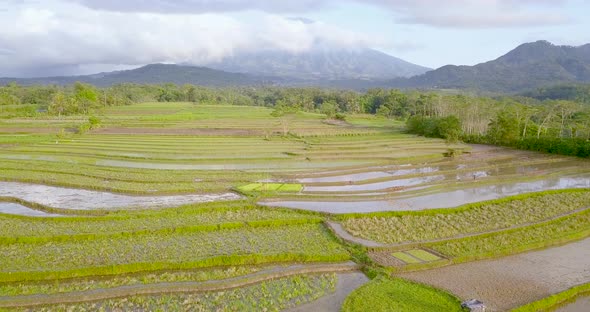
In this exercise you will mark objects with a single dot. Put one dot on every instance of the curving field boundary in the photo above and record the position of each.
(175, 287)
(339, 231)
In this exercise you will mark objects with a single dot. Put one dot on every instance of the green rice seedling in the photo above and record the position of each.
(85, 284)
(402, 227)
(119, 255)
(274, 295)
(290, 188)
(405, 257)
(516, 240)
(423, 255)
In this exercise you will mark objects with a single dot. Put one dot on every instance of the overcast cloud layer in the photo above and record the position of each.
(64, 37)
(441, 13)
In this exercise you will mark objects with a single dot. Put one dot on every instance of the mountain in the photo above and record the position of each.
(321, 64)
(155, 74)
(529, 66)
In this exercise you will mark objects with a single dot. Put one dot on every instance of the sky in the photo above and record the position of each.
(69, 37)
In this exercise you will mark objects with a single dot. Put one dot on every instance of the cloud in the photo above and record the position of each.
(477, 13)
(202, 6)
(448, 13)
(51, 37)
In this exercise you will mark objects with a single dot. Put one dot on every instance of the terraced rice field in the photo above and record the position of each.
(146, 204)
(435, 183)
(479, 218)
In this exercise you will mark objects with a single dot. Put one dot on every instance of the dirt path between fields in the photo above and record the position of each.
(506, 283)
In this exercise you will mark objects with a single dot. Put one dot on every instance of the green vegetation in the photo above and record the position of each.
(405, 257)
(396, 227)
(84, 284)
(423, 255)
(517, 240)
(205, 145)
(274, 295)
(117, 255)
(186, 219)
(383, 294)
(271, 187)
(556, 299)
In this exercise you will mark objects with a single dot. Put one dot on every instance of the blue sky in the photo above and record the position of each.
(65, 37)
(435, 46)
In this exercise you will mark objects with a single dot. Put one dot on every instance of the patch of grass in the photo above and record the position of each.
(423, 255)
(290, 187)
(405, 257)
(250, 187)
(271, 187)
(384, 294)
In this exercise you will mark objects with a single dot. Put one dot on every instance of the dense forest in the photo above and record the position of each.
(555, 120)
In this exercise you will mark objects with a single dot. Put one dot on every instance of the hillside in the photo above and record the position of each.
(529, 66)
(321, 64)
(153, 74)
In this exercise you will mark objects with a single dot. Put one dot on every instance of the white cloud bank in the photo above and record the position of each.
(64, 38)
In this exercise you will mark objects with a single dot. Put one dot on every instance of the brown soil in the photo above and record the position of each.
(509, 282)
(175, 131)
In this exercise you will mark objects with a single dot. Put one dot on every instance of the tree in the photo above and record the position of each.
(86, 96)
(329, 109)
(59, 104)
(449, 128)
(504, 128)
(286, 114)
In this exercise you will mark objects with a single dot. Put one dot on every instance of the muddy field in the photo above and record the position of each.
(509, 282)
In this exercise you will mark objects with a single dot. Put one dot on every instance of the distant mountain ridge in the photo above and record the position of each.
(154, 74)
(321, 64)
(529, 66)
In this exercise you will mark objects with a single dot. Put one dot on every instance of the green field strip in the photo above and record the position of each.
(287, 187)
(406, 258)
(254, 276)
(250, 187)
(106, 256)
(423, 255)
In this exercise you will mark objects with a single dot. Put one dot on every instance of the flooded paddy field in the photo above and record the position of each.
(20, 210)
(439, 183)
(579, 304)
(506, 283)
(66, 198)
(441, 199)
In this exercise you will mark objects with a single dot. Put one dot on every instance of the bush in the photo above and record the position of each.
(94, 122)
